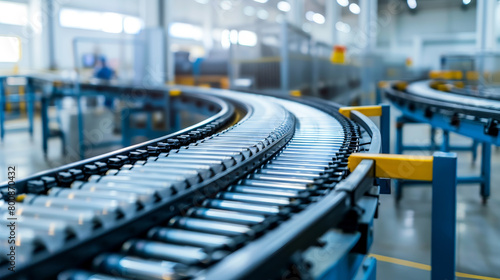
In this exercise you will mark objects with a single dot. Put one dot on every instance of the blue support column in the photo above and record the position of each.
(126, 137)
(44, 102)
(433, 138)
(284, 63)
(2, 108)
(30, 103)
(385, 128)
(81, 125)
(485, 170)
(475, 143)
(444, 203)
(378, 96)
(398, 149)
(445, 145)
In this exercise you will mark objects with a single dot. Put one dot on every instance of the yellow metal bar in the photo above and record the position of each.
(175, 92)
(383, 84)
(408, 167)
(296, 93)
(369, 111)
(22, 104)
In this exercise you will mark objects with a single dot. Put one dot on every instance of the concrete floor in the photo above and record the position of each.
(401, 231)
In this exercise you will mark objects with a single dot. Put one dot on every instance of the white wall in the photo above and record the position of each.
(64, 36)
(429, 33)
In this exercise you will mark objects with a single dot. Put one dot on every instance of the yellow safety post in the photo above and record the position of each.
(383, 84)
(434, 74)
(295, 93)
(408, 167)
(22, 104)
(472, 75)
(458, 75)
(459, 84)
(8, 106)
(338, 54)
(409, 62)
(20, 198)
(369, 111)
(444, 87)
(175, 92)
(401, 85)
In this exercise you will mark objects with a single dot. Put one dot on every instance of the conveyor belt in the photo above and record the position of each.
(195, 203)
(472, 116)
(422, 89)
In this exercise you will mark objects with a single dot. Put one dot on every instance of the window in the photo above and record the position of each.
(247, 38)
(10, 49)
(13, 13)
(132, 25)
(106, 22)
(243, 37)
(185, 31)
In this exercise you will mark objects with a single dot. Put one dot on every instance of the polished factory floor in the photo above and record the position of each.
(402, 232)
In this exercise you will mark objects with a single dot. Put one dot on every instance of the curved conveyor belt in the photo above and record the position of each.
(201, 203)
(473, 116)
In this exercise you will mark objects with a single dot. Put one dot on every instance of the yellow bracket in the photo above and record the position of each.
(295, 93)
(408, 167)
(175, 92)
(369, 111)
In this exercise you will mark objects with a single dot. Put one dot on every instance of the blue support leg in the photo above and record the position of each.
(433, 139)
(385, 128)
(485, 171)
(30, 102)
(378, 96)
(44, 102)
(445, 145)
(2, 109)
(80, 127)
(398, 149)
(475, 143)
(126, 127)
(444, 203)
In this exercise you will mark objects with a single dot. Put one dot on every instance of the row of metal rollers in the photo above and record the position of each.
(47, 222)
(208, 233)
(286, 184)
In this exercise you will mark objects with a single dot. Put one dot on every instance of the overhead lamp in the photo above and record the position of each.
(318, 18)
(466, 2)
(261, 1)
(310, 15)
(412, 4)
(343, 3)
(354, 8)
(284, 6)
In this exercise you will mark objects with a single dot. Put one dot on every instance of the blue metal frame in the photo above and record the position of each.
(483, 179)
(444, 203)
(385, 131)
(77, 93)
(29, 98)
